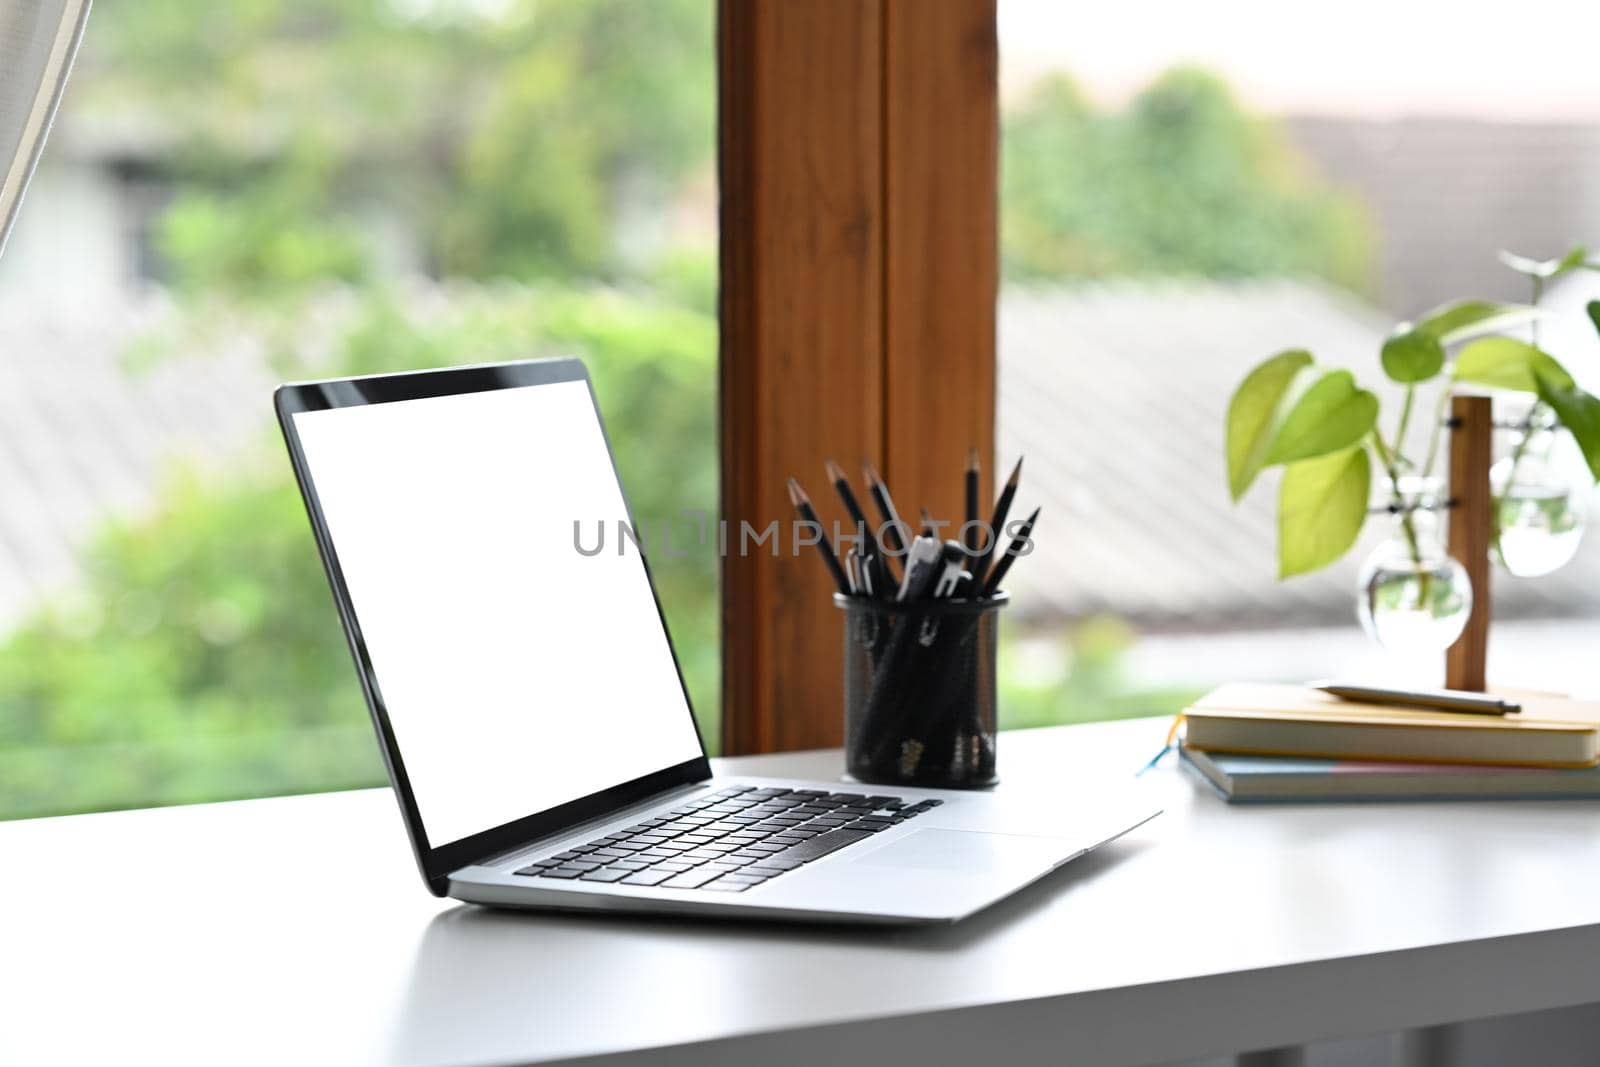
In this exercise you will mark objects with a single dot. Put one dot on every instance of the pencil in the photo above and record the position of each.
(1002, 509)
(969, 530)
(1012, 551)
(841, 483)
(802, 504)
(891, 518)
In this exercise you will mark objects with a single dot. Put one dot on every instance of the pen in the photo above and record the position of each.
(896, 674)
(875, 578)
(1434, 699)
(1012, 551)
(922, 569)
(926, 653)
(944, 588)
(929, 527)
(802, 504)
(1002, 509)
(953, 571)
(852, 571)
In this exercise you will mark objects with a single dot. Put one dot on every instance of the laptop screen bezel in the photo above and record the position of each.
(438, 861)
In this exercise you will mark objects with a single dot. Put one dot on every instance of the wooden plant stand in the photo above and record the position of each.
(1471, 530)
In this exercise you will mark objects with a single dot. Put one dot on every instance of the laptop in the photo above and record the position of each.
(529, 704)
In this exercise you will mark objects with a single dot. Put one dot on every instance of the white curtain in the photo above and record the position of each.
(37, 42)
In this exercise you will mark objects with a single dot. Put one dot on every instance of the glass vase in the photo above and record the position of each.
(1541, 493)
(1413, 597)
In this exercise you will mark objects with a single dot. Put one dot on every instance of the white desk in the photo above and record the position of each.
(297, 931)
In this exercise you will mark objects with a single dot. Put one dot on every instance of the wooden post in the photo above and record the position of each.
(859, 167)
(802, 376)
(942, 251)
(1471, 516)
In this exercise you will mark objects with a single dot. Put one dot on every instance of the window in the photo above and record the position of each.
(1187, 190)
(262, 192)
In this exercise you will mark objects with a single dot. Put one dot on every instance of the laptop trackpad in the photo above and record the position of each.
(964, 850)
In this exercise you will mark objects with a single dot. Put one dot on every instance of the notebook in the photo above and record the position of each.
(1291, 720)
(1256, 779)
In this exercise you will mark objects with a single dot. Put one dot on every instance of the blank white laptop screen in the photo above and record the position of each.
(518, 674)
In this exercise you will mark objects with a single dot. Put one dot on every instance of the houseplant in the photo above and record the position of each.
(1340, 465)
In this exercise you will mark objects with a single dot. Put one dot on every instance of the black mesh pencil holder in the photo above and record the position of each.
(919, 691)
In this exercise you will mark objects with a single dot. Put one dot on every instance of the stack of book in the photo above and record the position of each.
(1282, 742)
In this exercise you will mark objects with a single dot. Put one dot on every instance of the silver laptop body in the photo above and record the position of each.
(528, 703)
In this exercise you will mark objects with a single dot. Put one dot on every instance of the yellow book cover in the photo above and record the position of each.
(1292, 720)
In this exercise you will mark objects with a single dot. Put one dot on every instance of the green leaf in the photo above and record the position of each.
(1545, 269)
(1465, 319)
(1332, 415)
(1254, 414)
(1506, 363)
(1578, 411)
(1322, 506)
(1594, 313)
(1412, 355)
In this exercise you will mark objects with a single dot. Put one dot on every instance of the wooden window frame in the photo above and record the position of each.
(859, 157)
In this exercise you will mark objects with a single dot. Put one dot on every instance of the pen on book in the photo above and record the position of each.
(969, 529)
(1432, 699)
(802, 504)
(1002, 509)
(1012, 551)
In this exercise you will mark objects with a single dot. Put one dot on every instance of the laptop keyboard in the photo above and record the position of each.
(731, 840)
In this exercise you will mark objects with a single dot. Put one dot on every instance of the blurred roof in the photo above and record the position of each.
(1115, 393)
(1444, 194)
(84, 437)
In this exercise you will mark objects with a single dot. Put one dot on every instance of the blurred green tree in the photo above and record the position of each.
(499, 138)
(202, 656)
(514, 151)
(1183, 182)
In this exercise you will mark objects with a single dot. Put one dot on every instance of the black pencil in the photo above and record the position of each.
(1012, 551)
(802, 504)
(891, 518)
(841, 484)
(1002, 509)
(969, 530)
